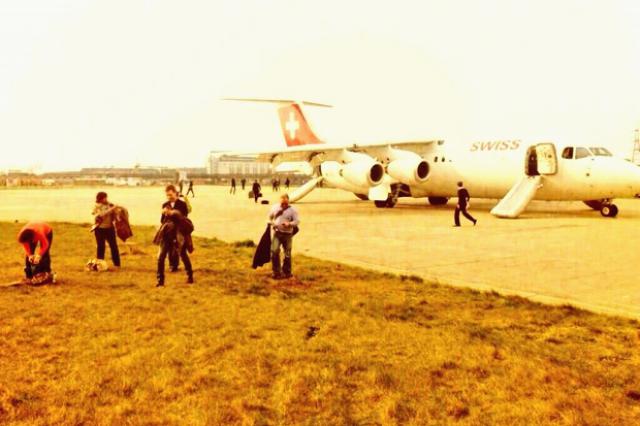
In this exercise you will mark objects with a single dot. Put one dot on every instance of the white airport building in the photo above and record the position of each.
(220, 164)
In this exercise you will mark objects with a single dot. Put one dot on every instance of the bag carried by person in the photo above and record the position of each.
(123, 228)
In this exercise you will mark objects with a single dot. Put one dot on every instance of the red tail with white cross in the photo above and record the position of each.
(294, 126)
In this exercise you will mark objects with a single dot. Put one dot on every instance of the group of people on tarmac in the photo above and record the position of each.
(256, 187)
(275, 184)
(173, 237)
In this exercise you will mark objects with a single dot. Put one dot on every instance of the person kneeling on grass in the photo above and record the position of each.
(284, 220)
(37, 265)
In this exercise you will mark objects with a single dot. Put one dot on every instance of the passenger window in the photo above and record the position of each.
(568, 153)
(582, 153)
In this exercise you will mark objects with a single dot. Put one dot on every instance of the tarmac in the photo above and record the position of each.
(556, 252)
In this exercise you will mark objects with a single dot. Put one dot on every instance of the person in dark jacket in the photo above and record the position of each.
(104, 229)
(190, 190)
(173, 212)
(243, 182)
(232, 190)
(463, 204)
(255, 188)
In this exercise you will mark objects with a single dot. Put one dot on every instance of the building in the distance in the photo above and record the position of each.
(220, 164)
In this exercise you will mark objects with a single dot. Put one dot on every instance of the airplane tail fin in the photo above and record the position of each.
(295, 127)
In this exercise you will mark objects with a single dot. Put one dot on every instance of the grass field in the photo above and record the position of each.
(339, 345)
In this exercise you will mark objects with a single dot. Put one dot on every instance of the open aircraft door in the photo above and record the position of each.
(541, 160)
(547, 158)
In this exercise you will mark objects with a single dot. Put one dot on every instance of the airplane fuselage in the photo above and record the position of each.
(489, 170)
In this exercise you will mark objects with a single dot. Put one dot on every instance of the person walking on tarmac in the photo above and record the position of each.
(255, 188)
(243, 182)
(232, 190)
(284, 219)
(463, 204)
(190, 190)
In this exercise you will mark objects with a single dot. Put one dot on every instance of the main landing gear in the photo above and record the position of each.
(609, 210)
(397, 191)
(390, 202)
(606, 207)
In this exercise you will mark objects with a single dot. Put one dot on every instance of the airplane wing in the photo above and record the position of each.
(315, 153)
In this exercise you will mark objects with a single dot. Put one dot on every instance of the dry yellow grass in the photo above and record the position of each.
(340, 346)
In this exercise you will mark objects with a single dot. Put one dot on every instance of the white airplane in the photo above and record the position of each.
(512, 171)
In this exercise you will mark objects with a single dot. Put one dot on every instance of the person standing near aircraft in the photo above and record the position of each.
(287, 182)
(255, 188)
(37, 265)
(104, 216)
(232, 190)
(190, 190)
(463, 204)
(243, 182)
(284, 219)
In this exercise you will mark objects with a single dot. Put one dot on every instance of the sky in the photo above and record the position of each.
(118, 83)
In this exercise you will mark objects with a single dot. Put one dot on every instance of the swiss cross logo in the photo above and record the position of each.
(292, 125)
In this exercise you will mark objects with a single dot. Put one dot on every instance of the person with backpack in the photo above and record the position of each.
(284, 220)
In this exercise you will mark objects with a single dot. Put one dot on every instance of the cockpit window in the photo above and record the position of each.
(600, 151)
(582, 153)
(567, 153)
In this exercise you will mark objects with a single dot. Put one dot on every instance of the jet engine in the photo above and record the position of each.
(407, 167)
(363, 172)
(357, 176)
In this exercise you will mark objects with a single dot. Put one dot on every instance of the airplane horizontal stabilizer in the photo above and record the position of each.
(279, 101)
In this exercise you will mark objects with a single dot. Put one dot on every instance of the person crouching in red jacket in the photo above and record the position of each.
(30, 236)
